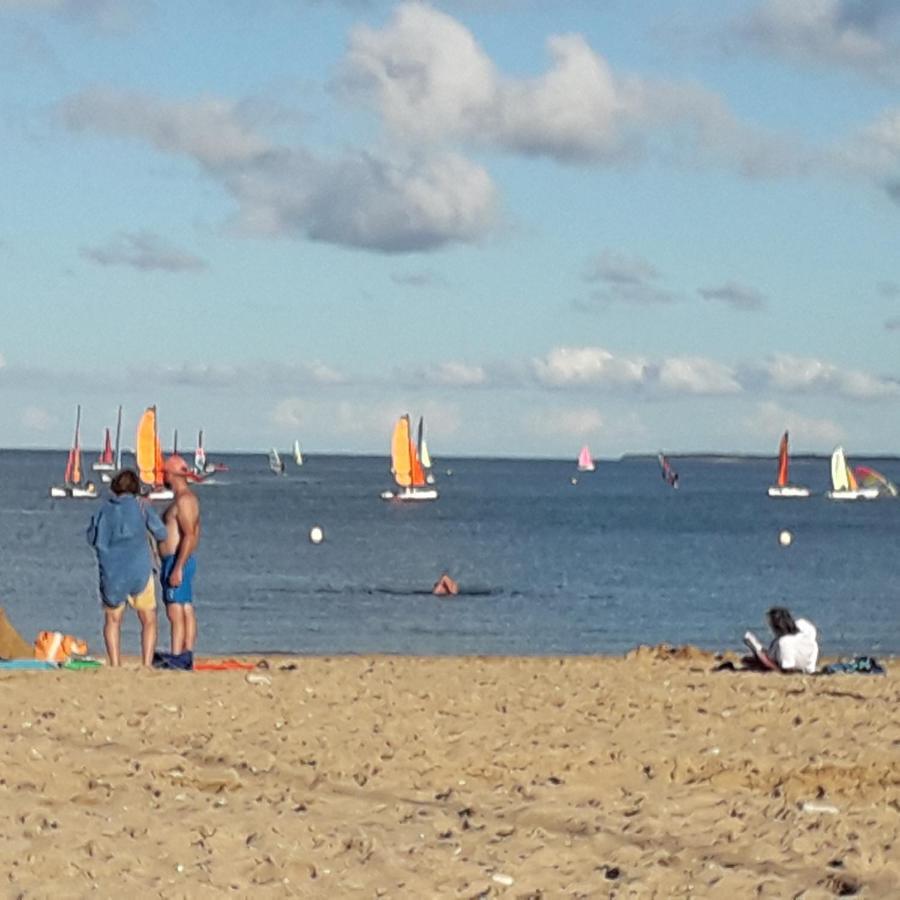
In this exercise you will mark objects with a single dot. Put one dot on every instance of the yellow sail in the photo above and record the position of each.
(147, 450)
(401, 459)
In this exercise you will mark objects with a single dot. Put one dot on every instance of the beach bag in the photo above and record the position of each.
(182, 661)
(54, 646)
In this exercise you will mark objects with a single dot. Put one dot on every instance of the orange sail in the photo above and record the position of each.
(783, 461)
(401, 453)
(73, 463)
(147, 449)
(106, 456)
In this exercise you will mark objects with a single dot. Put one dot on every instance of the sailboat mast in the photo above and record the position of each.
(119, 439)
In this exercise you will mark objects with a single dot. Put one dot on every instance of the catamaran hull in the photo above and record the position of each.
(788, 490)
(586, 468)
(411, 494)
(161, 494)
(72, 493)
(858, 494)
(103, 467)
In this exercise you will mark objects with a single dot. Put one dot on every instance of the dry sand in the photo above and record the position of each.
(648, 776)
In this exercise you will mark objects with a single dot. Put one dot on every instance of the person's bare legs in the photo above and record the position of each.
(148, 634)
(175, 613)
(112, 631)
(190, 627)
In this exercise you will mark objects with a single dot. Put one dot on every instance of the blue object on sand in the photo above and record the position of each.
(183, 661)
(27, 664)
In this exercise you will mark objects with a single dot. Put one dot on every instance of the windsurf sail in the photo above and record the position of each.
(147, 449)
(199, 455)
(298, 456)
(669, 475)
(869, 477)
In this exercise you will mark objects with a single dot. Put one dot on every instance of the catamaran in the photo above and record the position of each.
(72, 486)
(669, 475)
(844, 485)
(106, 461)
(148, 453)
(782, 486)
(585, 460)
(107, 476)
(406, 467)
(298, 456)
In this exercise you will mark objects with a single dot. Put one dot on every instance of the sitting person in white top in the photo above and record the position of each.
(794, 648)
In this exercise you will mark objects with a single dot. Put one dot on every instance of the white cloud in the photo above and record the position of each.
(696, 375)
(457, 374)
(788, 373)
(734, 295)
(430, 81)
(805, 431)
(564, 366)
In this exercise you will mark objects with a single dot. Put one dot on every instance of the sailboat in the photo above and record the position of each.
(844, 485)
(72, 486)
(669, 475)
(106, 476)
(106, 461)
(276, 463)
(407, 467)
(585, 460)
(149, 456)
(202, 466)
(424, 455)
(782, 486)
(298, 456)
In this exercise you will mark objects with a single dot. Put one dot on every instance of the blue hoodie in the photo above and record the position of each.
(118, 532)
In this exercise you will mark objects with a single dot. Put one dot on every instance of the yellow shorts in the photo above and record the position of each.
(146, 599)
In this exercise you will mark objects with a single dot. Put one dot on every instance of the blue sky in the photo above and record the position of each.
(640, 225)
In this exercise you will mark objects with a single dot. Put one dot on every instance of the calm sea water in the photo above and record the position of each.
(551, 567)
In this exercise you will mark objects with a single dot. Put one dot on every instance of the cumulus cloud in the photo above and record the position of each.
(795, 374)
(431, 81)
(734, 295)
(856, 34)
(696, 375)
(145, 251)
(874, 152)
(456, 374)
(772, 418)
(401, 203)
(567, 366)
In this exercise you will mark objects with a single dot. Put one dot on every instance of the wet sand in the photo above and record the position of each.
(648, 776)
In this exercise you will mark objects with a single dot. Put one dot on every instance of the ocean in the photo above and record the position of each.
(545, 566)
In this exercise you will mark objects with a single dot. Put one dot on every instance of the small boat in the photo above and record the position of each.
(585, 460)
(276, 463)
(298, 456)
(107, 476)
(149, 457)
(406, 467)
(669, 475)
(869, 478)
(72, 486)
(844, 485)
(424, 455)
(782, 486)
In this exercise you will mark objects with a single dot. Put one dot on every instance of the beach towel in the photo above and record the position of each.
(12, 644)
(180, 661)
(58, 647)
(861, 665)
(222, 665)
(82, 662)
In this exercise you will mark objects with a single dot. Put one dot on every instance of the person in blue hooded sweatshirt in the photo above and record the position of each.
(120, 533)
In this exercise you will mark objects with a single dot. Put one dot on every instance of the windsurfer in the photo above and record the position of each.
(445, 585)
(182, 520)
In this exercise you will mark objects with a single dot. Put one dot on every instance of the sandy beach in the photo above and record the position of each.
(643, 776)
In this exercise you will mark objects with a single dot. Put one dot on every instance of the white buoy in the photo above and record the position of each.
(316, 535)
(785, 538)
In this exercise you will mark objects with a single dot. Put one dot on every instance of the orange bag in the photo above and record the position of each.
(54, 646)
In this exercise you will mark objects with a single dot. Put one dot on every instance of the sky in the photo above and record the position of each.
(638, 224)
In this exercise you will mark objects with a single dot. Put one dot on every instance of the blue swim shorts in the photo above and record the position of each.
(184, 592)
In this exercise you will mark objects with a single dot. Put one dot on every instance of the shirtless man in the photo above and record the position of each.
(182, 521)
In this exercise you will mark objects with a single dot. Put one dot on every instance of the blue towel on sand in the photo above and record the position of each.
(183, 661)
(27, 664)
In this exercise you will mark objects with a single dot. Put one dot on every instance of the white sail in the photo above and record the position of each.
(298, 456)
(840, 480)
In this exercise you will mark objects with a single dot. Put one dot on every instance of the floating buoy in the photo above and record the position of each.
(574, 480)
(785, 538)
(316, 535)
